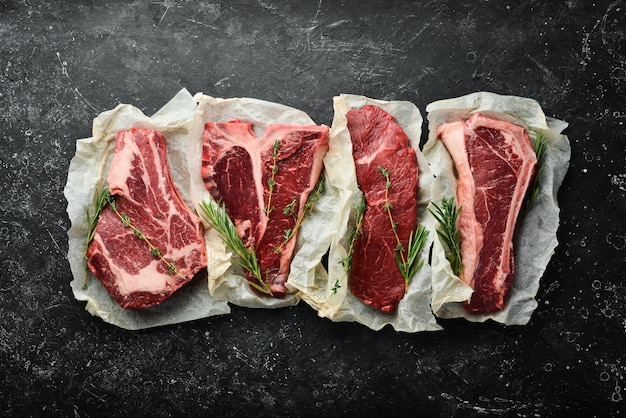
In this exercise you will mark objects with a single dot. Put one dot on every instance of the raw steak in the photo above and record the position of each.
(495, 163)
(379, 142)
(141, 184)
(237, 167)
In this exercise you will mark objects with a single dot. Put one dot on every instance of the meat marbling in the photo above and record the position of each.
(236, 169)
(495, 163)
(378, 141)
(140, 182)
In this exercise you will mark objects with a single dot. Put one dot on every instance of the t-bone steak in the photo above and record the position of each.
(141, 185)
(238, 168)
(378, 142)
(495, 163)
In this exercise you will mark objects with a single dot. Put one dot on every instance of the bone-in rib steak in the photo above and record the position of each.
(238, 168)
(141, 185)
(495, 163)
(379, 142)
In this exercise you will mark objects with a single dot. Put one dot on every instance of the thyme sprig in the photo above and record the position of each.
(126, 221)
(290, 209)
(447, 215)
(306, 211)
(407, 260)
(540, 146)
(271, 182)
(102, 197)
(215, 215)
(346, 262)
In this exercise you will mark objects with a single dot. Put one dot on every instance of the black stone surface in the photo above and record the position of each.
(65, 62)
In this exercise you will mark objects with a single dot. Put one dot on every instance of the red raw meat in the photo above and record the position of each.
(236, 168)
(495, 162)
(378, 141)
(141, 184)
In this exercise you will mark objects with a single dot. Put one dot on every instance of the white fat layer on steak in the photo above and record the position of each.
(453, 136)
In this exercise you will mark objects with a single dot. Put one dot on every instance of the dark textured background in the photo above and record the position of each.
(65, 62)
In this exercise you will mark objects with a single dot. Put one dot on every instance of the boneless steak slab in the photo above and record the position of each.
(378, 142)
(139, 181)
(264, 183)
(495, 163)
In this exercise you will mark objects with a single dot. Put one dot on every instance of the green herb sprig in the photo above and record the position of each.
(346, 262)
(271, 182)
(215, 215)
(540, 147)
(411, 266)
(126, 221)
(102, 199)
(447, 215)
(407, 260)
(290, 209)
(306, 211)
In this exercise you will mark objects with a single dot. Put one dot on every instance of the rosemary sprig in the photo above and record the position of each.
(411, 266)
(346, 262)
(271, 182)
(126, 221)
(306, 211)
(447, 215)
(92, 222)
(540, 146)
(216, 216)
(407, 261)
